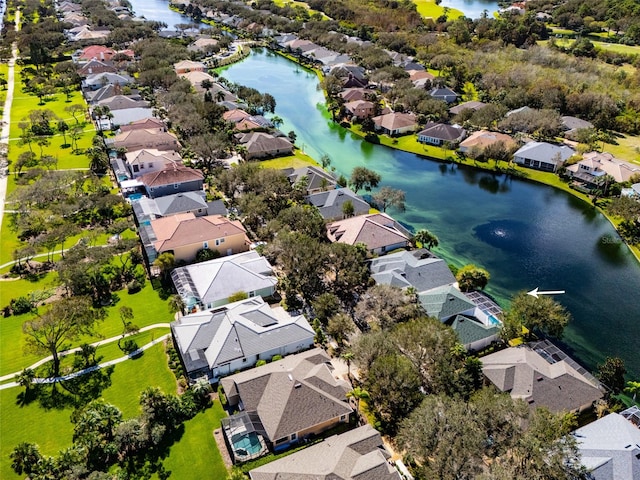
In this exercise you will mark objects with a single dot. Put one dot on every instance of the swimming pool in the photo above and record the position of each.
(246, 443)
(494, 321)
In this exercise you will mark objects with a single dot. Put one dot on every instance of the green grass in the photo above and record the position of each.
(627, 148)
(295, 3)
(147, 308)
(198, 437)
(52, 429)
(429, 9)
(612, 47)
(297, 160)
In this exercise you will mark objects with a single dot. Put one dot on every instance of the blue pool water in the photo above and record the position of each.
(494, 320)
(135, 196)
(249, 442)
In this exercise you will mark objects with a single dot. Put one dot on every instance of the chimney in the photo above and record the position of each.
(101, 55)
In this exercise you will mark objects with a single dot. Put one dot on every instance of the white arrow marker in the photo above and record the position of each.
(535, 292)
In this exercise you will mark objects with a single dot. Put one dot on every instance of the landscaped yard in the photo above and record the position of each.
(52, 430)
(297, 160)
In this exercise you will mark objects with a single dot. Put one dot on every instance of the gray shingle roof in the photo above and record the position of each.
(419, 269)
(181, 202)
(544, 152)
(470, 330)
(317, 178)
(357, 454)
(445, 302)
(330, 203)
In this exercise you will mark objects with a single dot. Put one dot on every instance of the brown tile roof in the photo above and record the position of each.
(235, 115)
(484, 138)
(175, 173)
(375, 230)
(145, 123)
(394, 121)
(187, 229)
(146, 137)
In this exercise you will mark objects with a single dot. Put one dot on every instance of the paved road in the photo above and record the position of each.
(91, 369)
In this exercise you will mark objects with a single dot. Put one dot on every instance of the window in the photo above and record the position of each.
(343, 418)
(294, 436)
(142, 166)
(219, 241)
(280, 440)
(205, 244)
(136, 169)
(150, 165)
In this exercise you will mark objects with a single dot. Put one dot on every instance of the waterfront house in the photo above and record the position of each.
(174, 178)
(609, 447)
(149, 160)
(316, 179)
(217, 342)
(419, 269)
(262, 145)
(286, 401)
(439, 133)
(185, 234)
(484, 138)
(331, 203)
(543, 376)
(235, 116)
(209, 284)
(543, 156)
(378, 232)
(360, 109)
(396, 123)
(353, 94)
(594, 168)
(354, 455)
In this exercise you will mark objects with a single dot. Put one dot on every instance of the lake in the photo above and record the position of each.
(473, 8)
(527, 235)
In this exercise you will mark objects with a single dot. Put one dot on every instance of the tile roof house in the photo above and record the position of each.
(610, 448)
(379, 232)
(186, 66)
(317, 179)
(209, 284)
(542, 375)
(352, 94)
(235, 116)
(95, 66)
(396, 123)
(149, 160)
(542, 155)
(439, 133)
(263, 145)
(472, 105)
(483, 138)
(290, 399)
(175, 178)
(138, 138)
(99, 80)
(331, 203)
(419, 269)
(149, 123)
(235, 336)
(594, 166)
(354, 455)
(360, 108)
(196, 78)
(99, 52)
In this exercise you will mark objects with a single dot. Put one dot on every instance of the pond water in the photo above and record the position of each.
(159, 11)
(527, 235)
(473, 8)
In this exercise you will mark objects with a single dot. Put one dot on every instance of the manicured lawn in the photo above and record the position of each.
(147, 308)
(297, 160)
(198, 437)
(52, 429)
(612, 47)
(429, 9)
(627, 148)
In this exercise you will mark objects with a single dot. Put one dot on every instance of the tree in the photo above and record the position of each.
(326, 306)
(98, 159)
(389, 197)
(176, 304)
(25, 458)
(611, 373)
(128, 327)
(471, 277)
(63, 321)
(63, 128)
(340, 326)
(236, 297)
(75, 134)
(542, 313)
(77, 111)
(165, 263)
(383, 306)
(633, 388)
(358, 394)
(362, 177)
(95, 431)
(425, 239)
(25, 379)
(348, 209)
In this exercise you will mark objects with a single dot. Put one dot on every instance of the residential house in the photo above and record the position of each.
(186, 66)
(360, 109)
(203, 45)
(99, 80)
(196, 78)
(440, 133)
(609, 447)
(331, 203)
(594, 168)
(472, 333)
(421, 78)
(344, 70)
(472, 105)
(542, 155)
(316, 179)
(123, 110)
(444, 93)
(85, 33)
(263, 145)
(210, 284)
(215, 343)
(235, 116)
(572, 125)
(354, 455)
(524, 109)
(149, 123)
(396, 123)
(149, 160)
(543, 376)
(247, 125)
(94, 66)
(175, 178)
(185, 234)
(419, 269)
(146, 209)
(484, 138)
(139, 138)
(286, 401)
(98, 52)
(108, 91)
(354, 94)
(378, 232)
(354, 82)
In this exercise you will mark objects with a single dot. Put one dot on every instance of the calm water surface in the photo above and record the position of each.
(527, 235)
(473, 8)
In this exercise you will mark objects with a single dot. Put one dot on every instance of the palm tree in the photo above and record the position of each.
(348, 357)
(176, 304)
(25, 379)
(633, 388)
(425, 239)
(359, 393)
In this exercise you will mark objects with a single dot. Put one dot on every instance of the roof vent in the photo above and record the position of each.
(297, 385)
(539, 379)
(290, 377)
